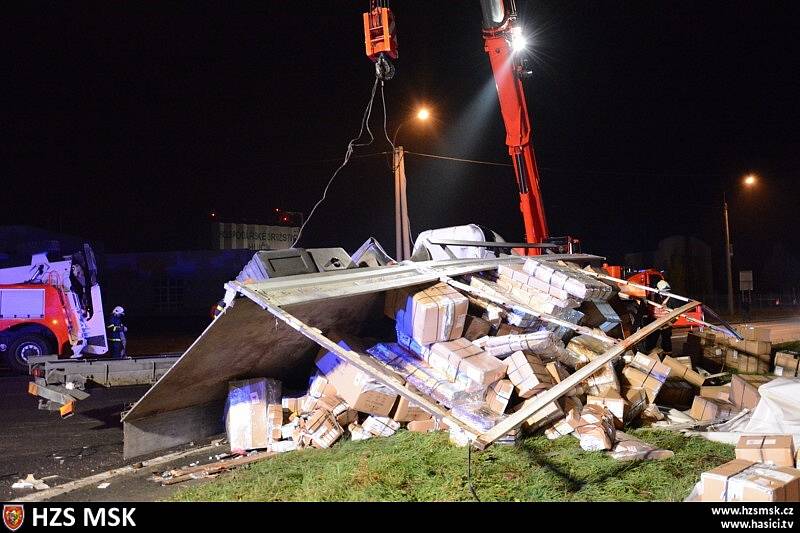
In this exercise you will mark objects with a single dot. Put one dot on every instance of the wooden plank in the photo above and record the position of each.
(553, 394)
(213, 468)
(364, 363)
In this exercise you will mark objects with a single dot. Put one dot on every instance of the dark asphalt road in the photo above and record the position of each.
(41, 443)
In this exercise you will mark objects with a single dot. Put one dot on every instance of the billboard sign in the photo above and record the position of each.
(230, 236)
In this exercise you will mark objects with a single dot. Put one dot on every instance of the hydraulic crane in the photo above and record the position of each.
(504, 42)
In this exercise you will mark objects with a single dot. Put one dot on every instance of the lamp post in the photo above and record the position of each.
(749, 181)
(401, 224)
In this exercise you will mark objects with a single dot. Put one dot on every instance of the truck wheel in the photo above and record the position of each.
(22, 347)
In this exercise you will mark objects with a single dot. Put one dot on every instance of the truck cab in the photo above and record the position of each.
(51, 308)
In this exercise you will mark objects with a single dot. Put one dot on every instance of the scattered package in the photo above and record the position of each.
(776, 450)
(745, 481)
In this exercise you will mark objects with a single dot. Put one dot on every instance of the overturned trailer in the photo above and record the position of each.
(275, 328)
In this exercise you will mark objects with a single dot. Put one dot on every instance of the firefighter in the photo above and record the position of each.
(665, 333)
(116, 333)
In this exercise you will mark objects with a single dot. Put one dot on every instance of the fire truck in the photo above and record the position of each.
(51, 308)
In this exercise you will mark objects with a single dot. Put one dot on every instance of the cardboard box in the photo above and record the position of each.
(333, 404)
(380, 426)
(613, 403)
(744, 390)
(541, 418)
(716, 392)
(705, 409)
(357, 432)
(743, 362)
(461, 357)
(765, 483)
(559, 373)
(776, 450)
(528, 374)
(476, 415)
(498, 395)
(425, 426)
(677, 394)
(633, 378)
(559, 429)
(635, 404)
(361, 392)
(685, 361)
(715, 481)
(408, 411)
(436, 314)
(763, 348)
(602, 381)
(346, 418)
(274, 421)
(753, 333)
(681, 371)
(787, 364)
(595, 428)
(246, 413)
(322, 428)
(475, 328)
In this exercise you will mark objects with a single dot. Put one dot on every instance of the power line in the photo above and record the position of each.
(459, 159)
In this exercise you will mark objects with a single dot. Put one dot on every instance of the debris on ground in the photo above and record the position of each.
(30, 482)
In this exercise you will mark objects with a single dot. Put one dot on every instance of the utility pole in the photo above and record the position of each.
(728, 253)
(401, 225)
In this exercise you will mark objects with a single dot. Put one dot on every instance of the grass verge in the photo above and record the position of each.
(425, 467)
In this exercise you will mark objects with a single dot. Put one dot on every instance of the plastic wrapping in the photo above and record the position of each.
(477, 415)
(427, 380)
(246, 412)
(541, 343)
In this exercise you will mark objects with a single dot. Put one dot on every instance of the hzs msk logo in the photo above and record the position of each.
(13, 515)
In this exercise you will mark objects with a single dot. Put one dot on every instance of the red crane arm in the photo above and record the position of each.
(499, 27)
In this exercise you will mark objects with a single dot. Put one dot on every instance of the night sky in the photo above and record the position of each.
(129, 122)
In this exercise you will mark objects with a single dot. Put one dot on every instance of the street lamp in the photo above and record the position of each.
(401, 224)
(749, 181)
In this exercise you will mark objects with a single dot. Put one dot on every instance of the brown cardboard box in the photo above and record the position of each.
(765, 483)
(744, 390)
(753, 333)
(680, 371)
(460, 357)
(595, 429)
(744, 362)
(677, 394)
(498, 395)
(716, 392)
(528, 374)
(396, 300)
(436, 314)
(707, 409)
(541, 418)
(715, 481)
(381, 426)
(613, 403)
(508, 329)
(559, 373)
(424, 426)
(602, 381)
(685, 361)
(274, 421)
(633, 378)
(787, 364)
(635, 403)
(407, 411)
(346, 418)
(333, 404)
(758, 348)
(361, 392)
(713, 358)
(322, 429)
(776, 450)
(475, 328)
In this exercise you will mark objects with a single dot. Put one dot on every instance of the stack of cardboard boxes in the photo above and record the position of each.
(763, 471)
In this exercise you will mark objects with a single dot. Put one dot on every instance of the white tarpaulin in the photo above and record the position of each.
(779, 408)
